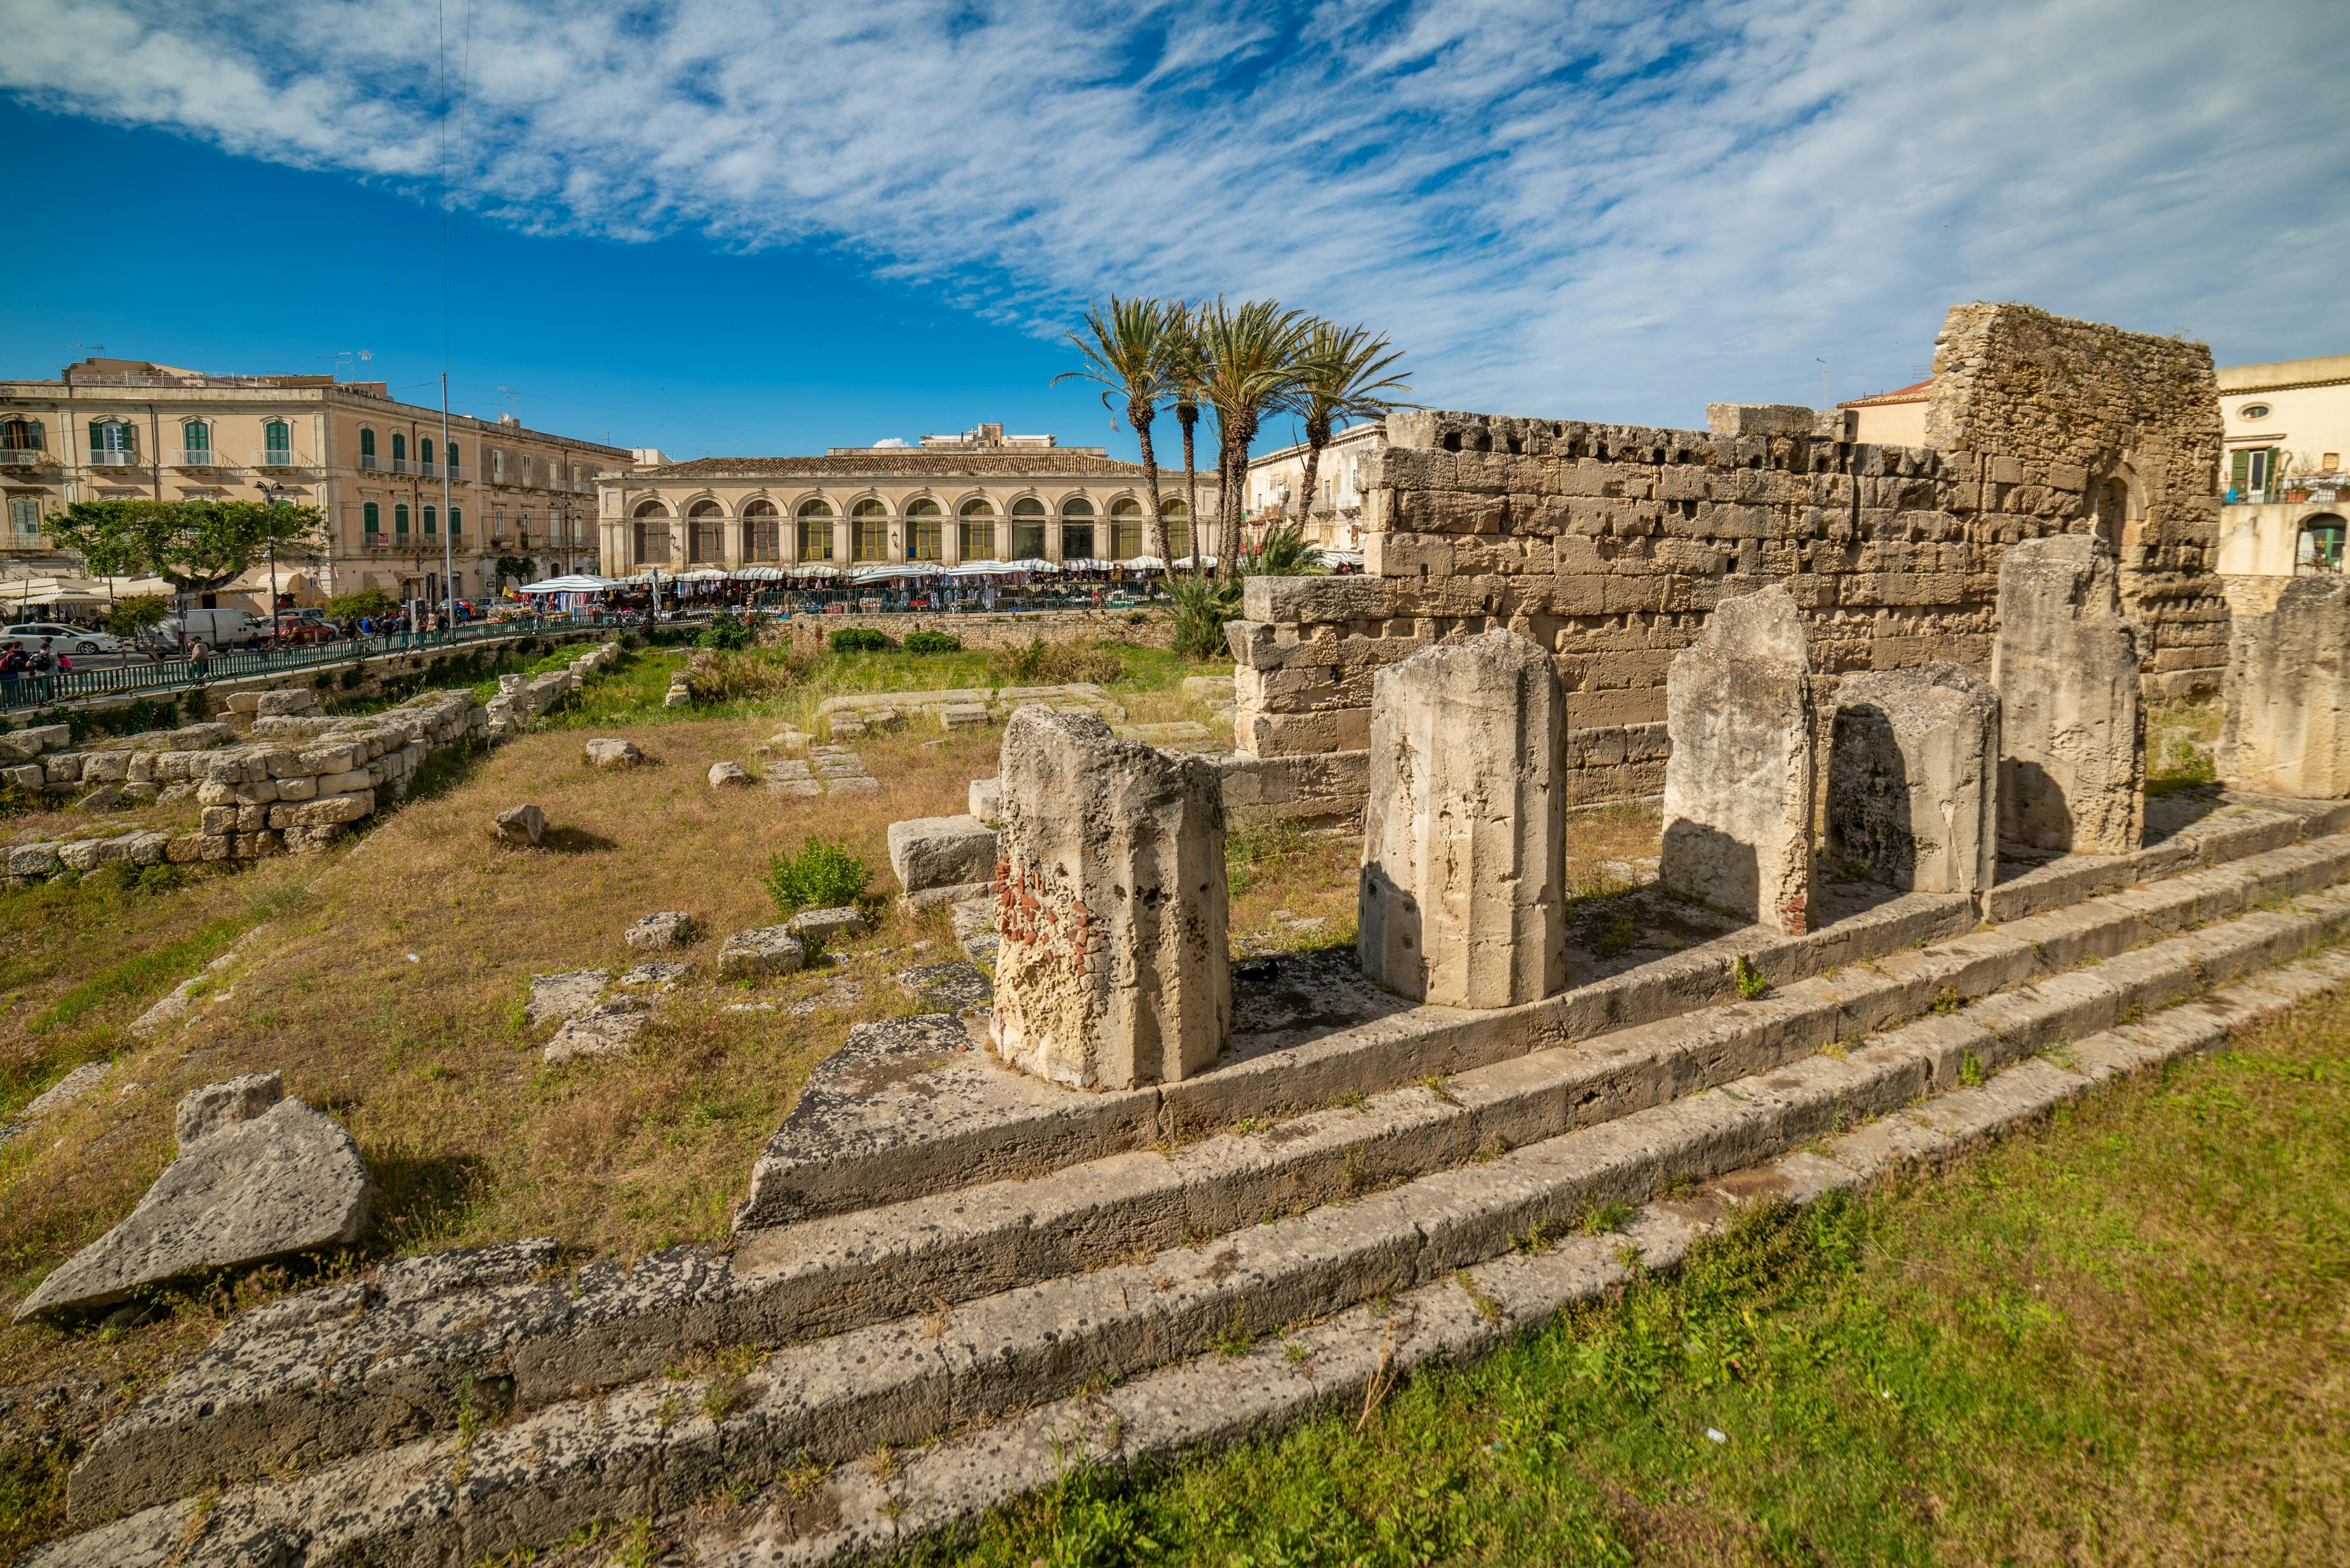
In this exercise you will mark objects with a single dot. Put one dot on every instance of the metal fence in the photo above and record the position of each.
(175, 674)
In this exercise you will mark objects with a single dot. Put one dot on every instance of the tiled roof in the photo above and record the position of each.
(1031, 463)
(1915, 393)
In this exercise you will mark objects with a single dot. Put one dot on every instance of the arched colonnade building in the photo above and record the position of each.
(975, 497)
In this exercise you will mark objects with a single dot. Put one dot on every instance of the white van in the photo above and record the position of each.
(219, 627)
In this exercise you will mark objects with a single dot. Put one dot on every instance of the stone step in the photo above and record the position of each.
(889, 1118)
(659, 1445)
(504, 1327)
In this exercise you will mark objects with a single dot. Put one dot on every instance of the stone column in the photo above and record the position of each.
(1463, 893)
(2287, 697)
(1738, 785)
(842, 546)
(1110, 899)
(1053, 539)
(2072, 762)
(1913, 772)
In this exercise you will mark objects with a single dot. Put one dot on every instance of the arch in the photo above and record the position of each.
(813, 521)
(1077, 506)
(705, 533)
(1027, 529)
(649, 507)
(2319, 546)
(649, 534)
(763, 531)
(1028, 506)
(975, 522)
(113, 440)
(1125, 528)
(925, 530)
(1175, 518)
(1077, 542)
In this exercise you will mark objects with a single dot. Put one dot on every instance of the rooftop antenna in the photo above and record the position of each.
(346, 358)
(513, 403)
(1823, 364)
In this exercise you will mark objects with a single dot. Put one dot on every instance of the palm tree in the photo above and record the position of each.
(1250, 365)
(1183, 373)
(1127, 351)
(1344, 376)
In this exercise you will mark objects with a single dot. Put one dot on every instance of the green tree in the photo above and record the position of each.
(1251, 363)
(1345, 376)
(364, 603)
(1283, 552)
(133, 617)
(1126, 350)
(195, 546)
(520, 569)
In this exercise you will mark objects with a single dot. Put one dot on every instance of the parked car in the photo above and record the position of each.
(28, 636)
(298, 629)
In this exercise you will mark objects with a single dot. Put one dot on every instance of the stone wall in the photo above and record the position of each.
(1144, 628)
(1610, 545)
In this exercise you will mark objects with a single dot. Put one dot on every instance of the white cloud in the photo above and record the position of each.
(1614, 208)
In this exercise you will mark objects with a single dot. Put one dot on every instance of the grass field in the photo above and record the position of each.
(2120, 1337)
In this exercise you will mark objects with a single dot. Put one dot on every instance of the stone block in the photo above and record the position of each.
(986, 799)
(1738, 785)
(524, 826)
(1913, 770)
(815, 928)
(204, 1111)
(1760, 418)
(2066, 665)
(729, 775)
(329, 809)
(25, 777)
(293, 700)
(1113, 971)
(613, 753)
(763, 952)
(33, 860)
(964, 715)
(1462, 896)
(661, 928)
(941, 851)
(2287, 695)
(105, 767)
(297, 789)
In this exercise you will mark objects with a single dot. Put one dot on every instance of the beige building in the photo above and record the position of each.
(1896, 417)
(2284, 494)
(1333, 516)
(375, 467)
(979, 497)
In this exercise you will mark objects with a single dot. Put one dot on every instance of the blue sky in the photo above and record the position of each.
(725, 225)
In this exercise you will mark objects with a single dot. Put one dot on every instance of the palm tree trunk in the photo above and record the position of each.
(1187, 416)
(1305, 487)
(1154, 536)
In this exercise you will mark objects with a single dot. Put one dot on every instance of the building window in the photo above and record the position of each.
(456, 521)
(1077, 529)
(25, 517)
(454, 461)
(925, 531)
(371, 520)
(1125, 529)
(651, 534)
(2253, 412)
(400, 516)
(978, 526)
(195, 442)
(398, 451)
(498, 465)
(1028, 529)
(21, 435)
(763, 532)
(869, 532)
(1177, 516)
(2250, 470)
(815, 521)
(705, 533)
(424, 455)
(2321, 545)
(113, 443)
(277, 444)
(367, 448)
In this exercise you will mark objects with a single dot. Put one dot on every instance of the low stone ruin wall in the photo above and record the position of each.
(522, 697)
(298, 781)
(1144, 628)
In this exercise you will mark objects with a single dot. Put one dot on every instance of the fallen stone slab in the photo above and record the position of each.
(729, 775)
(262, 1177)
(662, 973)
(964, 715)
(564, 995)
(607, 1029)
(787, 785)
(524, 826)
(610, 754)
(663, 929)
(759, 952)
(956, 986)
(986, 799)
(929, 852)
(854, 783)
(817, 927)
(57, 1096)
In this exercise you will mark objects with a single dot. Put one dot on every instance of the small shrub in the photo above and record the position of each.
(932, 643)
(1971, 1070)
(746, 676)
(1751, 981)
(1202, 606)
(729, 632)
(822, 876)
(1041, 663)
(857, 639)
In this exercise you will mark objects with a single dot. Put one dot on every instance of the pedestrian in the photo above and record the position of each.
(12, 665)
(199, 654)
(366, 625)
(43, 660)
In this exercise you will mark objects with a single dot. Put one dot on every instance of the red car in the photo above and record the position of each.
(298, 629)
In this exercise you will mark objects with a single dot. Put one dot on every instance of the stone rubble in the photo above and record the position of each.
(729, 775)
(607, 1029)
(522, 697)
(522, 827)
(661, 928)
(761, 954)
(941, 859)
(608, 752)
(564, 995)
(819, 928)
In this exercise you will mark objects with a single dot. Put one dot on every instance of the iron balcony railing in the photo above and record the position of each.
(369, 464)
(112, 458)
(23, 457)
(43, 690)
(278, 457)
(196, 457)
(404, 465)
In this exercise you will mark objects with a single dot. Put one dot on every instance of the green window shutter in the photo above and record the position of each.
(431, 520)
(367, 443)
(399, 514)
(374, 517)
(33, 434)
(456, 515)
(2239, 465)
(398, 445)
(454, 458)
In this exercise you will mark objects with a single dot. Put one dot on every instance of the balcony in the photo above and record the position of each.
(24, 457)
(278, 457)
(113, 459)
(459, 473)
(369, 464)
(196, 457)
(374, 541)
(404, 465)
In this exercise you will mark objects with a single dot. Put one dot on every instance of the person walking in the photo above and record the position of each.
(199, 655)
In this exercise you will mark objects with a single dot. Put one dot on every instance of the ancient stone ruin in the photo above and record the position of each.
(2287, 714)
(1738, 785)
(1464, 849)
(1110, 896)
(2072, 750)
(1913, 779)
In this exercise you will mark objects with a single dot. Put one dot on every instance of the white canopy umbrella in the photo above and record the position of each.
(758, 573)
(987, 569)
(1031, 564)
(1143, 563)
(885, 571)
(577, 582)
(814, 569)
(706, 574)
(1339, 557)
(1086, 563)
(1187, 563)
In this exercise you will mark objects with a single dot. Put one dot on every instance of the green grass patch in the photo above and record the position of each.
(148, 972)
(2116, 1337)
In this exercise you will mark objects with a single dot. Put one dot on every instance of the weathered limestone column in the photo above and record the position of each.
(2287, 695)
(2071, 769)
(1738, 785)
(1110, 899)
(1464, 845)
(1913, 774)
